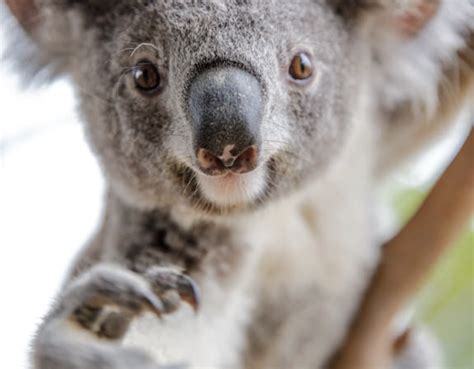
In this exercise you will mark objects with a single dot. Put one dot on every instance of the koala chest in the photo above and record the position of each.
(314, 255)
(210, 338)
(222, 265)
(316, 263)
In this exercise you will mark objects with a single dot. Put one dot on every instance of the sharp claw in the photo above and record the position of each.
(165, 280)
(189, 291)
(154, 304)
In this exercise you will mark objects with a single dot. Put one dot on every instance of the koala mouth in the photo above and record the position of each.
(229, 193)
(231, 189)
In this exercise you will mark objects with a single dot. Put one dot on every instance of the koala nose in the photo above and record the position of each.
(216, 165)
(225, 107)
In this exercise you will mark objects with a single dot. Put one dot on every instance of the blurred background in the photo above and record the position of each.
(50, 202)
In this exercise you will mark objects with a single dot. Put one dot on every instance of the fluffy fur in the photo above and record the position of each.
(283, 255)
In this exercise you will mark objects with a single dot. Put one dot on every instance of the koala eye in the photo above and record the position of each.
(146, 77)
(301, 67)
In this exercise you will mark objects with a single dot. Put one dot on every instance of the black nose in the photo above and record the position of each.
(225, 105)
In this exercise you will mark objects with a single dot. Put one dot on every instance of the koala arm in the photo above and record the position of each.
(100, 298)
(94, 310)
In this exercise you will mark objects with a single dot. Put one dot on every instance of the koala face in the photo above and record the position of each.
(216, 105)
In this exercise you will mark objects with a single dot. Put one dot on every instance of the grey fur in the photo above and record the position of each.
(156, 212)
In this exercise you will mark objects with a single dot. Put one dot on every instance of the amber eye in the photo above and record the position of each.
(301, 67)
(146, 77)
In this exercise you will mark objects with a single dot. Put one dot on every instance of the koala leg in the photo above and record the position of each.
(419, 350)
(93, 314)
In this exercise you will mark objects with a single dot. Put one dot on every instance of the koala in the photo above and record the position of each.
(241, 142)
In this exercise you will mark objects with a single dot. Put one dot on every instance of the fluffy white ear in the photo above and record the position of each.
(422, 71)
(413, 42)
(415, 16)
(27, 12)
(403, 17)
(53, 31)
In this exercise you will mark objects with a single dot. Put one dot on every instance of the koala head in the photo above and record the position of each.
(216, 105)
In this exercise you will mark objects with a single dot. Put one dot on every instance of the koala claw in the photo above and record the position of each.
(107, 300)
(174, 287)
(102, 302)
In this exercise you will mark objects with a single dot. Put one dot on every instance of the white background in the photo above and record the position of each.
(50, 203)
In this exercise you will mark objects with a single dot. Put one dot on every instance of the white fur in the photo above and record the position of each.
(411, 70)
(233, 189)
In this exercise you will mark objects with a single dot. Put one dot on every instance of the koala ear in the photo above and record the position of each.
(53, 32)
(25, 11)
(403, 17)
(415, 17)
(422, 67)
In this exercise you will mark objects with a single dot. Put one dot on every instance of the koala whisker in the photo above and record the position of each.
(184, 158)
(142, 45)
(126, 49)
(199, 203)
(186, 187)
(126, 70)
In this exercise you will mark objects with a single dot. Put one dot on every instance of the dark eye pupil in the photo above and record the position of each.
(146, 77)
(301, 67)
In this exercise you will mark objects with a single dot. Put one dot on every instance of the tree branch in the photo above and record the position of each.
(406, 262)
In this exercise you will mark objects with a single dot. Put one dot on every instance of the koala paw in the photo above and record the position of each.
(107, 299)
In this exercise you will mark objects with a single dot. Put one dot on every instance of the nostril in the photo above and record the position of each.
(211, 164)
(246, 161)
